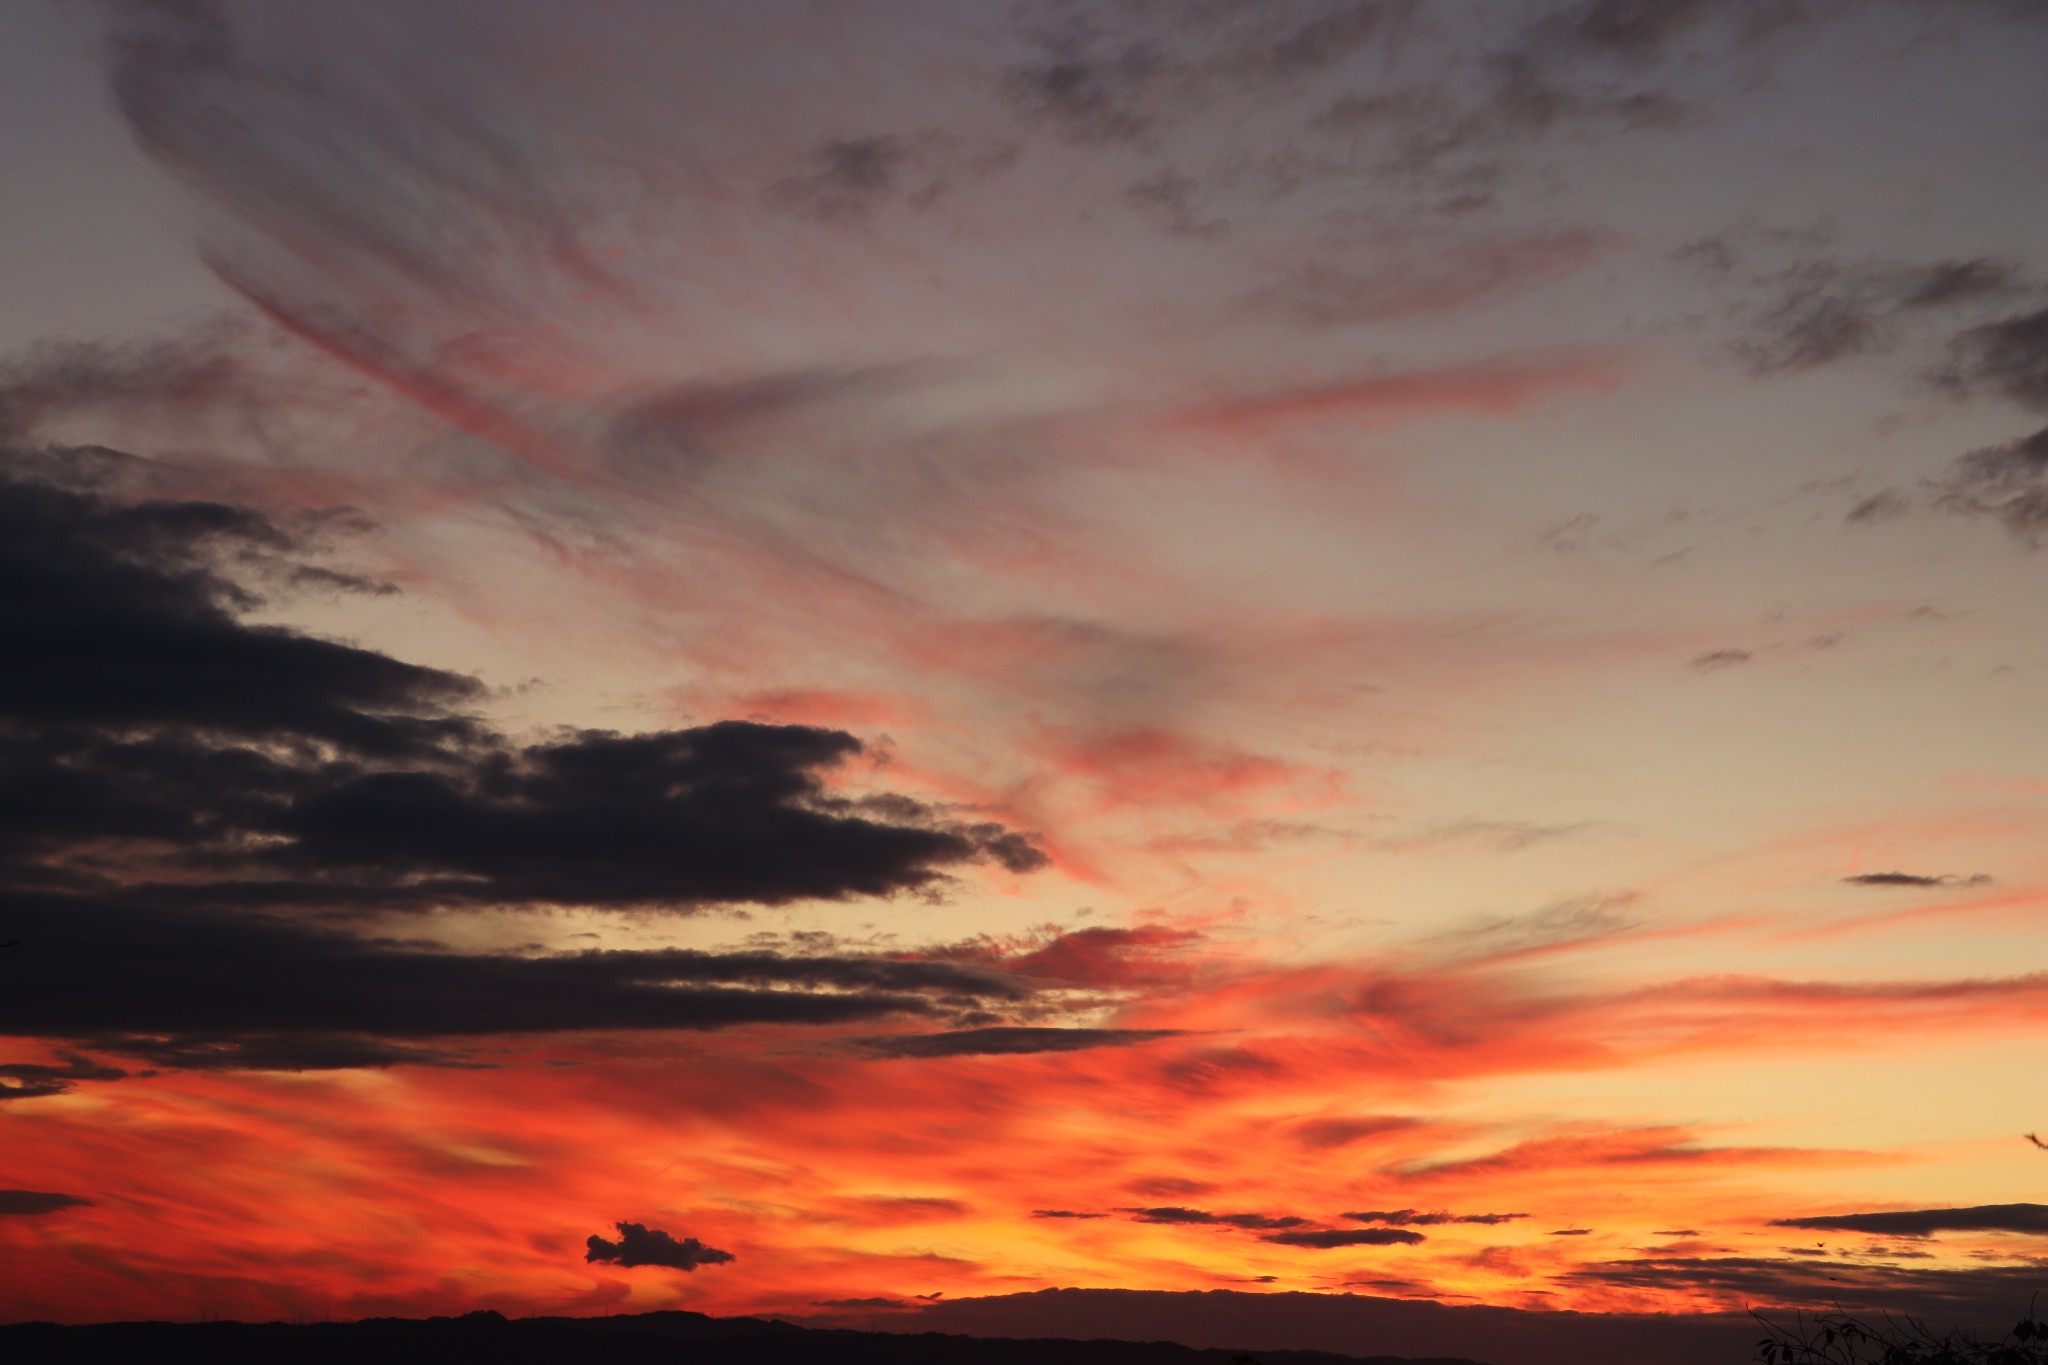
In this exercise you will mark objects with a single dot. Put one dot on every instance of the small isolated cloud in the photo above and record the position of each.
(2027, 1218)
(1571, 1232)
(640, 1245)
(1347, 1237)
(26, 1202)
(1715, 659)
(1064, 1213)
(1915, 879)
(1002, 1040)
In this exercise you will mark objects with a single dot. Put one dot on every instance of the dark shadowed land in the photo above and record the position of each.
(668, 1337)
(1348, 1323)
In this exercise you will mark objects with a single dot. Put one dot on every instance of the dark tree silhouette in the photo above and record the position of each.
(1842, 1339)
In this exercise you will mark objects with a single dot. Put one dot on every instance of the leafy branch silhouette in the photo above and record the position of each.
(1839, 1338)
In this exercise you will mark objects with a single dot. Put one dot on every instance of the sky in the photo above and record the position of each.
(795, 658)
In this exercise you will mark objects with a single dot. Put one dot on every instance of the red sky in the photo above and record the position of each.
(1340, 646)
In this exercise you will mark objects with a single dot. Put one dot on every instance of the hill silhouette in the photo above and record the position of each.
(668, 1336)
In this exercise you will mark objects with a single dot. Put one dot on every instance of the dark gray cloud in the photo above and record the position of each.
(1003, 1040)
(640, 1245)
(1571, 1232)
(1915, 879)
(57, 377)
(29, 1202)
(2008, 483)
(1171, 1214)
(1330, 293)
(141, 709)
(1346, 1237)
(1414, 1218)
(2027, 1218)
(1991, 1293)
(1635, 30)
(1819, 310)
(1721, 658)
(192, 988)
(1175, 1214)
(2008, 357)
(184, 796)
(1884, 505)
(1366, 92)
(847, 178)
(1116, 72)
(32, 1080)
(1064, 1213)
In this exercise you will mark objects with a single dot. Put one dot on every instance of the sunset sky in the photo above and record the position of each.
(776, 657)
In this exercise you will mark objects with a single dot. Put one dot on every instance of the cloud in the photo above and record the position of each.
(1716, 659)
(1915, 879)
(2008, 483)
(2008, 357)
(30, 1202)
(639, 1245)
(1126, 72)
(1412, 1218)
(190, 788)
(1628, 29)
(1818, 310)
(1171, 1214)
(846, 180)
(1236, 1220)
(1980, 1294)
(1101, 956)
(1326, 1133)
(1318, 293)
(2026, 1218)
(1496, 388)
(1064, 1213)
(1009, 1041)
(1583, 919)
(1884, 505)
(1346, 1237)
(849, 177)
(1571, 1232)
(33, 1080)
(212, 990)
(1622, 1147)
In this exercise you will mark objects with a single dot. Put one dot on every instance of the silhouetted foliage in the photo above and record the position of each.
(1841, 1339)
